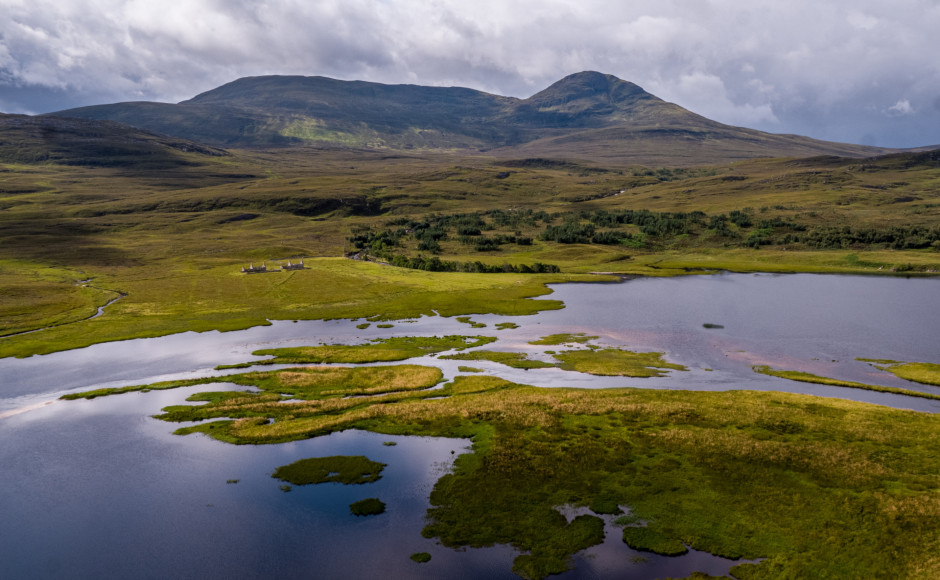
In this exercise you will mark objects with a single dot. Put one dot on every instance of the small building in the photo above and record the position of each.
(252, 269)
(297, 266)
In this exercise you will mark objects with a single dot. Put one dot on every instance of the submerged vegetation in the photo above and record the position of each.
(372, 506)
(810, 485)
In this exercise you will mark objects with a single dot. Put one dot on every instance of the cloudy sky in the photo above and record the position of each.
(861, 71)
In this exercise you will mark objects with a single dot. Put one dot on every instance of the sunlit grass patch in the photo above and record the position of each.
(617, 362)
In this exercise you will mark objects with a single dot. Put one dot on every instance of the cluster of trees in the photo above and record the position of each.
(735, 228)
(435, 264)
(895, 237)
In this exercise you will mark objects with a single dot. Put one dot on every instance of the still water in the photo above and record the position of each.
(92, 489)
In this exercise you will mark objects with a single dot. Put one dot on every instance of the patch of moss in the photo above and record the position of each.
(465, 369)
(467, 320)
(345, 469)
(421, 557)
(506, 325)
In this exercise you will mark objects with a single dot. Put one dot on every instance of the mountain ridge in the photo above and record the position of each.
(587, 115)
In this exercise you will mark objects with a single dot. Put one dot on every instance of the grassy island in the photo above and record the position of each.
(356, 469)
(617, 362)
(515, 360)
(378, 350)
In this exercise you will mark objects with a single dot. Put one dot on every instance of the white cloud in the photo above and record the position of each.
(902, 107)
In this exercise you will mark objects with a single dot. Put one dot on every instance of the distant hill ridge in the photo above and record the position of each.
(73, 141)
(587, 115)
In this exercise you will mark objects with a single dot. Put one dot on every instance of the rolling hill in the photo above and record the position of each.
(94, 143)
(586, 115)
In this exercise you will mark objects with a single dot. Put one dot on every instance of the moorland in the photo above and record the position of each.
(397, 215)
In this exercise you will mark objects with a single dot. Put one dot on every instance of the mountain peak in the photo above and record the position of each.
(590, 85)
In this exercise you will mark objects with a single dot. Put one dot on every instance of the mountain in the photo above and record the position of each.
(587, 115)
(94, 143)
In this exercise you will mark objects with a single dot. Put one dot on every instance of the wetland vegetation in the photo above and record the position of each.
(348, 470)
(371, 506)
(395, 348)
(909, 371)
(800, 480)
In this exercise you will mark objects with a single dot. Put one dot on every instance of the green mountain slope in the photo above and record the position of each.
(93, 143)
(587, 115)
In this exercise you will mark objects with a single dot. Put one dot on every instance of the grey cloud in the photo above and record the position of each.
(824, 68)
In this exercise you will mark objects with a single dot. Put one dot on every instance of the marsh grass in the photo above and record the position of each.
(647, 540)
(564, 338)
(917, 370)
(471, 322)
(421, 557)
(378, 350)
(515, 360)
(925, 373)
(344, 469)
(818, 487)
(616, 362)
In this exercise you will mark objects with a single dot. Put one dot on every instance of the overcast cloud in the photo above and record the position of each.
(864, 71)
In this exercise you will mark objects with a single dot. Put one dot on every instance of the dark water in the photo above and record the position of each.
(92, 489)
